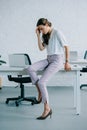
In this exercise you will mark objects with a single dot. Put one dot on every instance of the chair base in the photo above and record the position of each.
(33, 100)
(22, 97)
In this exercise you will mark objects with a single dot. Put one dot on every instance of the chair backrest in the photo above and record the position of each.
(19, 60)
(85, 55)
(27, 59)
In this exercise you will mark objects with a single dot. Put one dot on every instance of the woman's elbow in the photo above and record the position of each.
(41, 48)
(66, 47)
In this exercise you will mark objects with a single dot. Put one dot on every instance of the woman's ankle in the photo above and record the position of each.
(46, 107)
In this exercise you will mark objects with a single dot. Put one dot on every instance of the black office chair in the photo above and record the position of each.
(21, 80)
(84, 70)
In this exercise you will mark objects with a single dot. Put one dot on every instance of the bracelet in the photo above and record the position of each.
(66, 60)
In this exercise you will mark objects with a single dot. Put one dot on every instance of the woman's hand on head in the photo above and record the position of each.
(37, 31)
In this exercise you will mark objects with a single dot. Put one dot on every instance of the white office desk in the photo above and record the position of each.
(74, 75)
(81, 62)
(7, 70)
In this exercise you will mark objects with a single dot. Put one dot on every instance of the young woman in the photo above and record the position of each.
(56, 46)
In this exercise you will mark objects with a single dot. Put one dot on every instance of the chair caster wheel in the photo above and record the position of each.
(16, 104)
(32, 103)
(6, 101)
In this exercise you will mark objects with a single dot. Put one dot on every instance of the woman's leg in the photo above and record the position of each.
(39, 94)
(32, 69)
(48, 73)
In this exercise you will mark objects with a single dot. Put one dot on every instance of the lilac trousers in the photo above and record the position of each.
(51, 65)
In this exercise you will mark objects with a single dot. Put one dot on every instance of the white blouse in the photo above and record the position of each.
(56, 44)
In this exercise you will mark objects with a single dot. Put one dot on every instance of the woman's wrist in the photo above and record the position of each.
(66, 61)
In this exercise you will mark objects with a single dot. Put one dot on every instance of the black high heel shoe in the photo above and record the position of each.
(44, 117)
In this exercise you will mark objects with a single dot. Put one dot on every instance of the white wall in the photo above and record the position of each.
(18, 21)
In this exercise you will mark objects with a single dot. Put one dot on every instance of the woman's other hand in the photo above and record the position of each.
(67, 66)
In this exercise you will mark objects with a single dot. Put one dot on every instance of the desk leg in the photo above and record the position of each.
(75, 85)
(78, 105)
